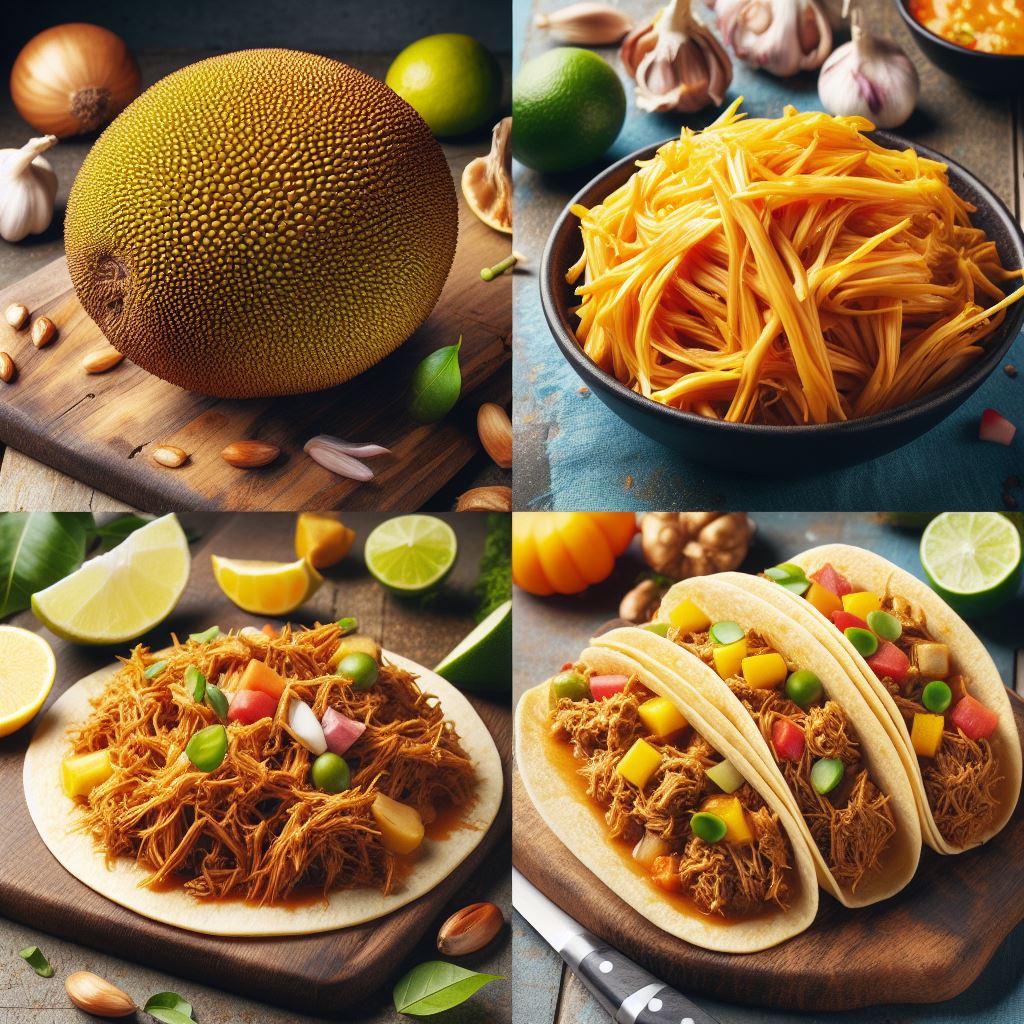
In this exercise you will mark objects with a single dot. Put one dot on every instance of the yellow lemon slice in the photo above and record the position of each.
(26, 675)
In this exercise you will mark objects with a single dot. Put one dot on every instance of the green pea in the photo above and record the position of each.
(803, 687)
(216, 699)
(726, 632)
(360, 668)
(155, 669)
(707, 826)
(790, 576)
(826, 774)
(863, 640)
(331, 773)
(571, 684)
(936, 696)
(207, 749)
(885, 625)
(196, 682)
(348, 625)
(661, 628)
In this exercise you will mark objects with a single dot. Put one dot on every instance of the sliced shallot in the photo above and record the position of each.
(342, 457)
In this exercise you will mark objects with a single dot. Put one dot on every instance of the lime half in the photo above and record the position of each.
(411, 554)
(483, 660)
(972, 560)
(120, 595)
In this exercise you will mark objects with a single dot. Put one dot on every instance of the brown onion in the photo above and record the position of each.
(73, 79)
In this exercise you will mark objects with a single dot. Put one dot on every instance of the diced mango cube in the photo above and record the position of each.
(926, 734)
(662, 717)
(861, 603)
(639, 763)
(729, 658)
(730, 810)
(401, 826)
(357, 643)
(688, 618)
(82, 773)
(259, 676)
(824, 600)
(765, 671)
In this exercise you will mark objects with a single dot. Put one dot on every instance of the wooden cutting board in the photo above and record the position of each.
(100, 428)
(926, 944)
(327, 974)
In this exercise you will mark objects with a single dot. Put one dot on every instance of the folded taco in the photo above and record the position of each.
(806, 722)
(929, 679)
(670, 814)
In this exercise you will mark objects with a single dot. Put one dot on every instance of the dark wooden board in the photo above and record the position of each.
(326, 974)
(100, 428)
(924, 945)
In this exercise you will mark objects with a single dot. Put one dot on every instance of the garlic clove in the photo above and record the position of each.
(783, 37)
(28, 188)
(586, 24)
(96, 995)
(487, 180)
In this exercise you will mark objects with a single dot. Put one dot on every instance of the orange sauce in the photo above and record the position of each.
(992, 26)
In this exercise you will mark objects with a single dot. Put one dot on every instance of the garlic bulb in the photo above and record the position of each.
(487, 180)
(780, 36)
(676, 61)
(28, 187)
(869, 76)
(587, 24)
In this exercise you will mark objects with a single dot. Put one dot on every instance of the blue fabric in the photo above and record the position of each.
(599, 462)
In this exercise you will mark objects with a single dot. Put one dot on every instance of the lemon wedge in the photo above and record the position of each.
(26, 675)
(266, 588)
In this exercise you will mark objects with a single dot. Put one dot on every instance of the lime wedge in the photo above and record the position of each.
(411, 554)
(27, 669)
(120, 595)
(266, 588)
(972, 560)
(483, 660)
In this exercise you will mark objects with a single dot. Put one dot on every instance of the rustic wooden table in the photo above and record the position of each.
(550, 631)
(423, 633)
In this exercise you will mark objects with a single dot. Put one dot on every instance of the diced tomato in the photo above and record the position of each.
(568, 665)
(665, 873)
(996, 427)
(607, 686)
(268, 630)
(889, 661)
(844, 620)
(248, 706)
(973, 719)
(830, 579)
(788, 740)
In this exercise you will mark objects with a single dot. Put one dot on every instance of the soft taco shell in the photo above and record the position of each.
(578, 824)
(54, 817)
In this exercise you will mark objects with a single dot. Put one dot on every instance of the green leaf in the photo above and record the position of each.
(169, 1007)
(36, 550)
(36, 960)
(436, 986)
(111, 534)
(494, 584)
(436, 384)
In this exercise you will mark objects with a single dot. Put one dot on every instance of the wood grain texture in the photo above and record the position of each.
(30, 486)
(323, 974)
(100, 428)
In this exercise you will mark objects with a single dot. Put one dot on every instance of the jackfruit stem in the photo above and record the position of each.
(490, 273)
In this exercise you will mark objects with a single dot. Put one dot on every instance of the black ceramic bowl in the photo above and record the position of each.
(989, 72)
(765, 449)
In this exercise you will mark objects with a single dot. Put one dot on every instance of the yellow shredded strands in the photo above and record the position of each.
(786, 271)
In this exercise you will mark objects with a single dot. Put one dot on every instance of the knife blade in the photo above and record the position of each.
(630, 994)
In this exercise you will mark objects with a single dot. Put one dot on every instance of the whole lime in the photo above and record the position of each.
(568, 106)
(451, 80)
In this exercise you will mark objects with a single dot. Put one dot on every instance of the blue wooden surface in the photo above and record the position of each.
(549, 631)
(572, 452)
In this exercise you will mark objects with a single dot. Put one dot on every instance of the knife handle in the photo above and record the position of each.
(634, 996)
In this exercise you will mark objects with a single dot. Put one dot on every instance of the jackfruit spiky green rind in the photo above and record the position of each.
(264, 222)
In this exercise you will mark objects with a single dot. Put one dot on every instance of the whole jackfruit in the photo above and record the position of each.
(264, 222)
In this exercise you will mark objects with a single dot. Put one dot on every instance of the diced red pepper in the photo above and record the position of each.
(996, 427)
(832, 580)
(568, 665)
(248, 706)
(607, 686)
(973, 719)
(844, 620)
(788, 740)
(889, 661)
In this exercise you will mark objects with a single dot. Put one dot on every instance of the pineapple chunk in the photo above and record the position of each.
(932, 660)
(662, 717)
(926, 734)
(639, 763)
(729, 658)
(765, 671)
(824, 600)
(730, 810)
(357, 643)
(401, 826)
(862, 603)
(83, 772)
(688, 618)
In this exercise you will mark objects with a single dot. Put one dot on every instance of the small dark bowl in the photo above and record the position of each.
(768, 449)
(987, 72)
